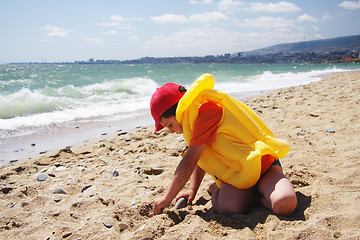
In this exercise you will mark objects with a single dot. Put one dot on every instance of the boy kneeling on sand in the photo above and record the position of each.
(227, 140)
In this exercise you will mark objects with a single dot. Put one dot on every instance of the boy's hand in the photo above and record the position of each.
(159, 205)
(189, 195)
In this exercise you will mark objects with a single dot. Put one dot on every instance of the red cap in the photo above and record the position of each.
(162, 99)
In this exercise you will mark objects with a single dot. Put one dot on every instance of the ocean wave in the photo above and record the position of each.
(43, 106)
(27, 102)
(133, 86)
(271, 80)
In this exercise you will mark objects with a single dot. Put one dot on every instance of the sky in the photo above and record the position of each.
(77, 30)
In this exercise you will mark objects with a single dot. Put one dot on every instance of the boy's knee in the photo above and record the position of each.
(229, 209)
(229, 206)
(230, 200)
(285, 205)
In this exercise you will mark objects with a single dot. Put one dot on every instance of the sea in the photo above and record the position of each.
(44, 107)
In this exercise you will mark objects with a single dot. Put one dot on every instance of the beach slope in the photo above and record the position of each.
(104, 189)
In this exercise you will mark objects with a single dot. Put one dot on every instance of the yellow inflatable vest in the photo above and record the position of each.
(241, 139)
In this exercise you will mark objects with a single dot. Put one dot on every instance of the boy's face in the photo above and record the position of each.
(172, 124)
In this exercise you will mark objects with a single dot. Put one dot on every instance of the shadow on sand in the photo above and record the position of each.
(255, 215)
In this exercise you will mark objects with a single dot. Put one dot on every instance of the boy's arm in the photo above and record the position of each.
(195, 181)
(182, 174)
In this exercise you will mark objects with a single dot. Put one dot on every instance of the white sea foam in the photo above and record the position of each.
(49, 105)
(270, 81)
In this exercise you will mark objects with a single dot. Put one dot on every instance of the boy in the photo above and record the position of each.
(227, 140)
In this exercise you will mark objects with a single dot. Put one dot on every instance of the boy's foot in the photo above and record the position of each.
(211, 188)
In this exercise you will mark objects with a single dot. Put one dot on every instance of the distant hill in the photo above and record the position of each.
(346, 43)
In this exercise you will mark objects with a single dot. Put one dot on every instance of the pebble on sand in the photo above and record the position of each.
(122, 133)
(115, 173)
(58, 191)
(59, 169)
(68, 234)
(123, 226)
(329, 130)
(181, 203)
(86, 187)
(107, 225)
(41, 177)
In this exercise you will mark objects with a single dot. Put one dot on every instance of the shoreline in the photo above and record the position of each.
(68, 134)
(104, 189)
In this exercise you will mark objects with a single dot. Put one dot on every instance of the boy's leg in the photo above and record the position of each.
(277, 192)
(231, 200)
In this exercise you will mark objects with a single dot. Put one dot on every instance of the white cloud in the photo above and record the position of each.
(54, 31)
(137, 18)
(229, 5)
(133, 37)
(276, 24)
(118, 22)
(117, 18)
(200, 39)
(326, 17)
(319, 36)
(306, 18)
(210, 40)
(126, 27)
(316, 28)
(349, 5)
(201, 17)
(170, 18)
(111, 32)
(208, 17)
(274, 7)
(115, 21)
(203, 1)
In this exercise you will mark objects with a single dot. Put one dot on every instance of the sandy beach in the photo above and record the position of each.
(104, 188)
